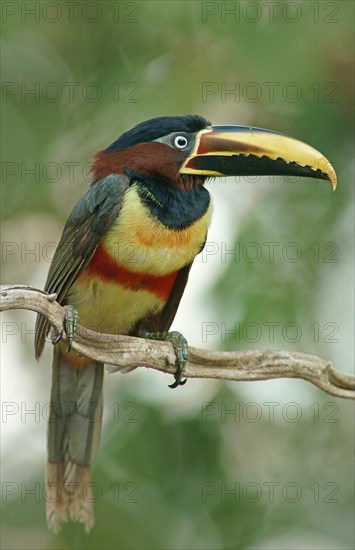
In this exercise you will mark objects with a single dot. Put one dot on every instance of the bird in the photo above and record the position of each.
(123, 261)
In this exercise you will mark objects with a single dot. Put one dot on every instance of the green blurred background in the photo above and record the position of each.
(167, 457)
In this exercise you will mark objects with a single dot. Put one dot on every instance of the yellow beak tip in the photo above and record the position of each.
(333, 179)
(330, 174)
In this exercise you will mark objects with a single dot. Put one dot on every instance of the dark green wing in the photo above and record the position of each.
(168, 313)
(89, 221)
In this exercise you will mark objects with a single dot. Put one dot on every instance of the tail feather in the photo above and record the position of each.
(73, 437)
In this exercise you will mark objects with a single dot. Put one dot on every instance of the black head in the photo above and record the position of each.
(156, 128)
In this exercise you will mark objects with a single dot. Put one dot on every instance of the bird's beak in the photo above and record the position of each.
(246, 151)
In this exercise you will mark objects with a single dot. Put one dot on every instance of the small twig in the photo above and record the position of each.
(127, 351)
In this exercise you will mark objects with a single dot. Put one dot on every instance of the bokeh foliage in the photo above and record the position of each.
(153, 58)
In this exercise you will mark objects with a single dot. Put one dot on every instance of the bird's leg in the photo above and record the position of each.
(69, 326)
(180, 346)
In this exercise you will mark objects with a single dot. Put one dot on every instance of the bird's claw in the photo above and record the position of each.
(58, 338)
(69, 327)
(180, 346)
(178, 381)
(70, 322)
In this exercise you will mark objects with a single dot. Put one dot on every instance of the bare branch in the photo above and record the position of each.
(122, 352)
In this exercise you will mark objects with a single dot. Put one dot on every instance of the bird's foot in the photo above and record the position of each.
(180, 346)
(69, 326)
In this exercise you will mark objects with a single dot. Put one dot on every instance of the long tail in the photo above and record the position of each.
(73, 437)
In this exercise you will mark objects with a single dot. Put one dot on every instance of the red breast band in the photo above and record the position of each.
(103, 266)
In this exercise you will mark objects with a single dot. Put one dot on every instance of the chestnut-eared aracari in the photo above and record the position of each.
(123, 261)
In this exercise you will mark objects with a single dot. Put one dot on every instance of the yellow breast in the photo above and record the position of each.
(111, 308)
(141, 243)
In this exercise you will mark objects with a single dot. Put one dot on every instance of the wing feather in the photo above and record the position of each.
(90, 219)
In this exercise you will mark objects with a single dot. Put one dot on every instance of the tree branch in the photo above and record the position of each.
(122, 352)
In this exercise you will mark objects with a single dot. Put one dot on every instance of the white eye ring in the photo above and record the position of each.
(180, 142)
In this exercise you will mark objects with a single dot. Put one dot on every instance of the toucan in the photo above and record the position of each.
(123, 262)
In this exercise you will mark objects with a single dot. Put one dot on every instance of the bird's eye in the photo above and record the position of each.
(180, 141)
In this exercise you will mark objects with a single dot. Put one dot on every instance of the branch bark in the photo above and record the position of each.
(122, 352)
